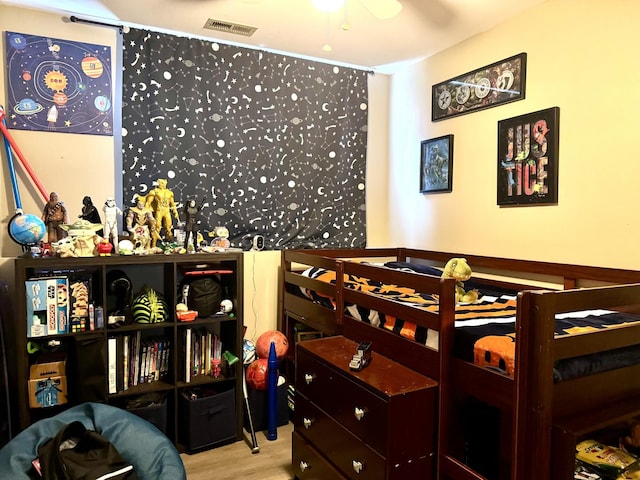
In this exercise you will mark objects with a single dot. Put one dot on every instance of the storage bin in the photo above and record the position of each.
(151, 407)
(206, 417)
(258, 402)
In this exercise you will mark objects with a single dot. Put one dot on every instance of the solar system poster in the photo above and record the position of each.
(58, 85)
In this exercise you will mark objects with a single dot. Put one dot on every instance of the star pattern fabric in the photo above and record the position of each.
(276, 144)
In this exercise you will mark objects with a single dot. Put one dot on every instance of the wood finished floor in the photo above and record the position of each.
(235, 461)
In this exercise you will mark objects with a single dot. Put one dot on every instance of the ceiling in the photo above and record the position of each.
(423, 27)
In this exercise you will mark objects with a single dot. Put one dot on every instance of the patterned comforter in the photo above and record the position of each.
(485, 330)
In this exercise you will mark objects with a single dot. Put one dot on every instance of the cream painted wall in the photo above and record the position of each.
(377, 171)
(580, 58)
(72, 165)
(79, 165)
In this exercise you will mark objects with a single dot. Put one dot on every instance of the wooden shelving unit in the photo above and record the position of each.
(163, 273)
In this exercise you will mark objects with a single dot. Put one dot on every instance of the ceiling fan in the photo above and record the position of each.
(382, 9)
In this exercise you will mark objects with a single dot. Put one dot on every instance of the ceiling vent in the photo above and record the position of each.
(229, 27)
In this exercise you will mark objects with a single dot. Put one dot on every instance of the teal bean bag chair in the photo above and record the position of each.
(151, 453)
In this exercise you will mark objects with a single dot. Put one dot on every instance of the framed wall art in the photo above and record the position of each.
(58, 85)
(528, 158)
(490, 86)
(436, 164)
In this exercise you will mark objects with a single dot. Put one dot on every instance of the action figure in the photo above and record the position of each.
(191, 221)
(160, 200)
(54, 215)
(90, 213)
(141, 224)
(111, 212)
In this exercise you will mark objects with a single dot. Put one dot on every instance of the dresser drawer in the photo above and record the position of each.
(382, 417)
(308, 464)
(357, 409)
(345, 451)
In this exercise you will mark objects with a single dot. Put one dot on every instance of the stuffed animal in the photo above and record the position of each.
(459, 269)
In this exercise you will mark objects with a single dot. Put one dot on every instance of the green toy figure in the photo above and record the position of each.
(459, 269)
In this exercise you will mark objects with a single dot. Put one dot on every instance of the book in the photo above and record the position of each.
(125, 366)
(187, 355)
(119, 363)
(113, 364)
(144, 348)
(136, 359)
(208, 350)
(153, 371)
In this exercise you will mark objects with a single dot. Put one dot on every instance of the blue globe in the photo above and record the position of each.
(27, 229)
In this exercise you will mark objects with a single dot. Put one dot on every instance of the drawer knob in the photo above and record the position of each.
(308, 377)
(357, 466)
(307, 422)
(304, 466)
(359, 413)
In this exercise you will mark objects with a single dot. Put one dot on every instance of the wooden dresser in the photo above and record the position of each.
(375, 424)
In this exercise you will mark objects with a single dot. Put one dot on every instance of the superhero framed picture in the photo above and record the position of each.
(528, 158)
(436, 164)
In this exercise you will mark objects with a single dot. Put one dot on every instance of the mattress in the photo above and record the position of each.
(485, 330)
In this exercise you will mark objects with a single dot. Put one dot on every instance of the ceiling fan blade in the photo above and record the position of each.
(383, 9)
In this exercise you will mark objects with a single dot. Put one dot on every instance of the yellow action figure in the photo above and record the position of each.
(160, 200)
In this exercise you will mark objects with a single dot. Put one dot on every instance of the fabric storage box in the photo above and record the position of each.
(152, 407)
(47, 384)
(206, 417)
(259, 402)
(47, 392)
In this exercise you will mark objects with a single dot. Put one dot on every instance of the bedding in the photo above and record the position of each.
(485, 330)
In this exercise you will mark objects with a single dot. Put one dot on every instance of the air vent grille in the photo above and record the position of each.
(229, 27)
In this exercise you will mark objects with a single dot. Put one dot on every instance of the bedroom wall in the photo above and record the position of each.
(73, 165)
(77, 165)
(579, 59)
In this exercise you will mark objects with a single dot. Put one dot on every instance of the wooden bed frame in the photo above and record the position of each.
(540, 422)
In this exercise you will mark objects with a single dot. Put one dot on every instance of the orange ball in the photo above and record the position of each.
(257, 374)
(263, 344)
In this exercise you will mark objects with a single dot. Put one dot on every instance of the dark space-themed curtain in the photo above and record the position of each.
(275, 144)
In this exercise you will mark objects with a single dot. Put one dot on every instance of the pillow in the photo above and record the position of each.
(415, 267)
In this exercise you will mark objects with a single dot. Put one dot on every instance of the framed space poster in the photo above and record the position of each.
(436, 164)
(501, 82)
(528, 158)
(58, 85)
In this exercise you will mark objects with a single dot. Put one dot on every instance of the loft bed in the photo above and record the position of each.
(539, 419)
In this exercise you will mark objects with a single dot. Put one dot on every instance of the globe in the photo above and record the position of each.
(26, 229)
